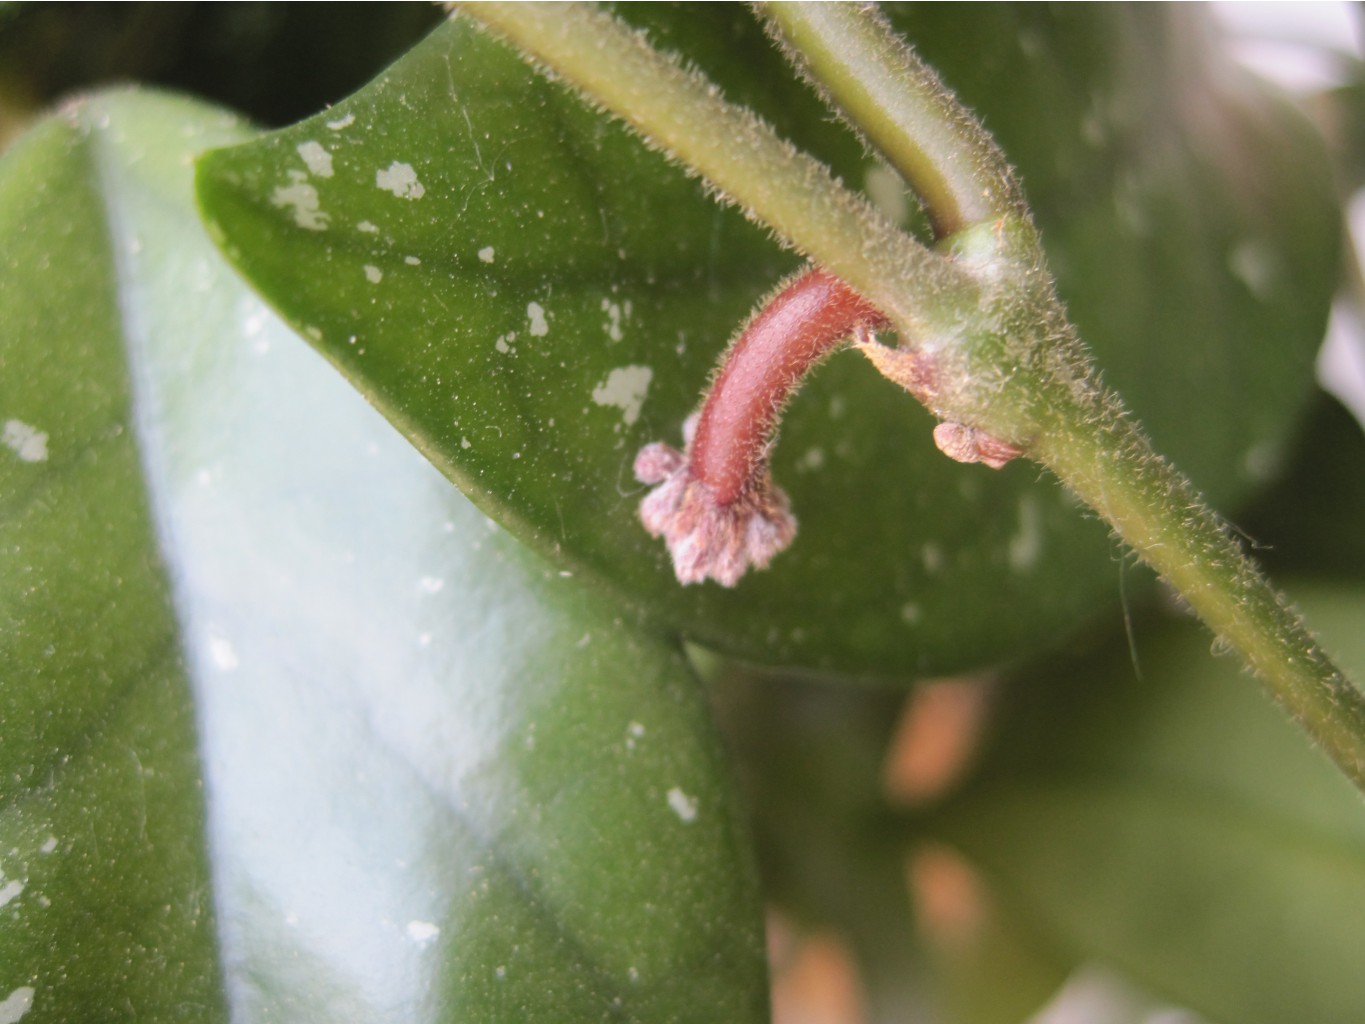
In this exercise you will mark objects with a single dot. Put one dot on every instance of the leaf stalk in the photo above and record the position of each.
(979, 315)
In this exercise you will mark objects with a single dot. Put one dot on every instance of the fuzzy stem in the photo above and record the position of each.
(740, 155)
(1158, 513)
(987, 321)
(803, 322)
(900, 106)
(1085, 437)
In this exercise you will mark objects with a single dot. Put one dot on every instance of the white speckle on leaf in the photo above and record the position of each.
(412, 261)
(625, 388)
(535, 312)
(373, 274)
(501, 344)
(16, 1005)
(465, 443)
(1255, 264)
(341, 122)
(910, 613)
(1027, 542)
(10, 890)
(1094, 128)
(487, 254)
(401, 180)
(49, 845)
(222, 653)
(430, 584)
(613, 324)
(317, 159)
(684, 806)
(500, 972)
(634, 732)
(1261, 461)
(932, 556)
(367, 227)
(29, 443)
(423, 933)
(302, 199)
(813, 459)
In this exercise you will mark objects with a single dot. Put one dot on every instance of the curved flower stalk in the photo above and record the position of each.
(714, 502)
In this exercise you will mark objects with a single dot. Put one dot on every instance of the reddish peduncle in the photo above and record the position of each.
(808, 317)
(715, 503)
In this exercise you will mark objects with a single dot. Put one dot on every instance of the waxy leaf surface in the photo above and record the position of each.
(432, 779)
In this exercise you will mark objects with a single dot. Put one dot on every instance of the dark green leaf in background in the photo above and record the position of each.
(812, 762)
(1177, 827)
(443, 783)
(531, 296)
(1308, 522)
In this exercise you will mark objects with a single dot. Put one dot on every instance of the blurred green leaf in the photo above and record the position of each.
(531, 295)
(811, 760)
(1308, 521)
(104, 899)
(443, 782)
(1175, 825)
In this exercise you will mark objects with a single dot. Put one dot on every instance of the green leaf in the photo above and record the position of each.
(1188, 213)
(104, 900)
(1308, 522)
(531, 295)
(811, 758)
(443, 782)
(1178, 827)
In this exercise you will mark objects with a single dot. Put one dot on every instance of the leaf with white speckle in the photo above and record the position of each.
(602, 256)
(254, 588)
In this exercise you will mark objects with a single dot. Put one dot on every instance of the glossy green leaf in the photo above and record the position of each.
(531, 295)
(443, 782)
(104, 882)
(1176, 826)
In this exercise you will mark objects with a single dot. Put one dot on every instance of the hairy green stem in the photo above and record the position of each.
(900, 106)
(741, 156)
(982, 317)
(1106, 461)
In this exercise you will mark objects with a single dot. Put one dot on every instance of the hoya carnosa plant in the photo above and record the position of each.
(982, 340)
(715, 503)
